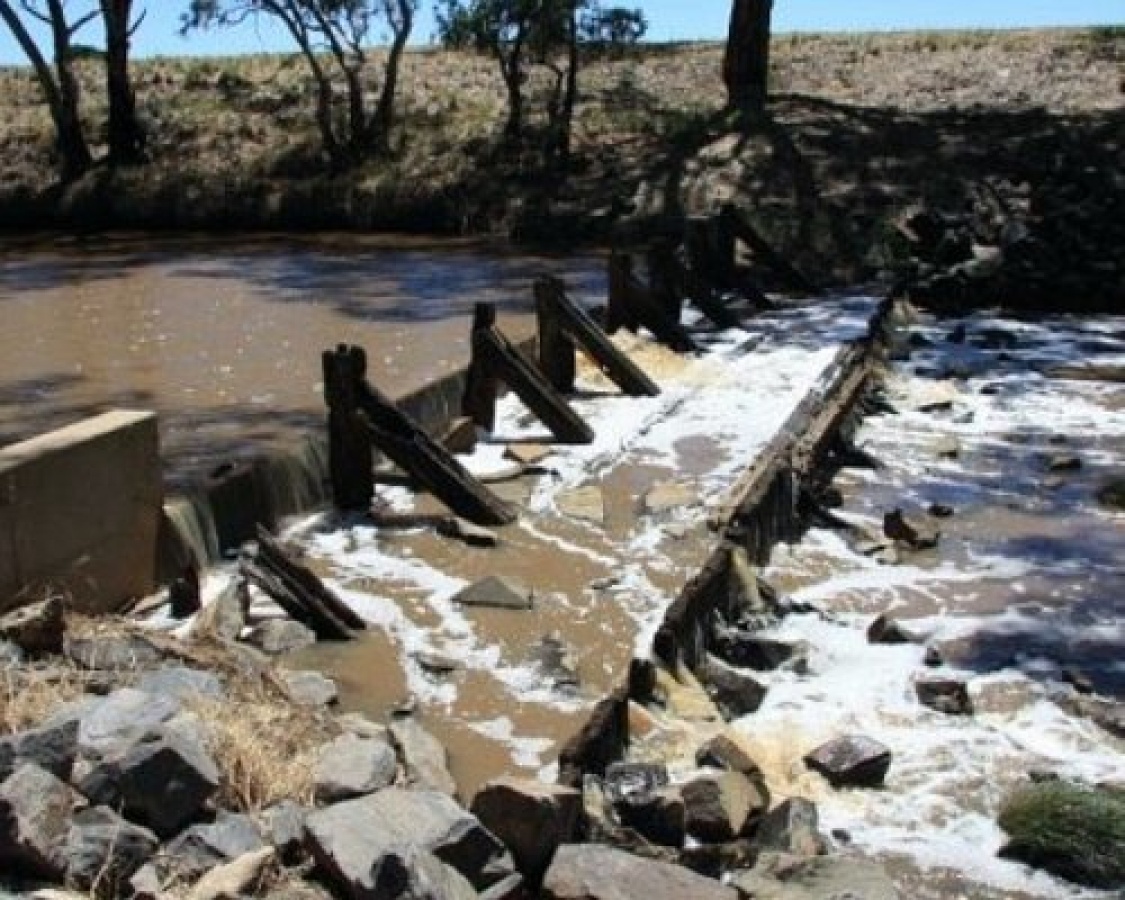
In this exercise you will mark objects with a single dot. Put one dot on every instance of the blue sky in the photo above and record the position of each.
(670, 19)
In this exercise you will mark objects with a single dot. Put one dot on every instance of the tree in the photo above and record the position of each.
(332, 34)
(611, 30)
(126, 136)
(746, 62)
(59, 86)
(502, 28)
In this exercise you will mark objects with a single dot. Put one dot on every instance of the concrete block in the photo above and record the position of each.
(79, 512)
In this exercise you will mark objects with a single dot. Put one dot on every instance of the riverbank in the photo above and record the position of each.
(862, 131)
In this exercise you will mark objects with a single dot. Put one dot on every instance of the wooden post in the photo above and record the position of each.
(739, 226)
(710, 250)
(350, 460)
(631, 304)
(664, 278)
(556, 349)
(481, 385)
(495, 357)
(413, 451)
(575, 328)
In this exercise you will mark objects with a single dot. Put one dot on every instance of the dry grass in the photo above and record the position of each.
(27, 697)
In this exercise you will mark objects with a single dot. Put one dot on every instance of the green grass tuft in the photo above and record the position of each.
(1074, 832)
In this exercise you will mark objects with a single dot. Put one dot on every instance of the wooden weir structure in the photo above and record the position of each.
(701, 268)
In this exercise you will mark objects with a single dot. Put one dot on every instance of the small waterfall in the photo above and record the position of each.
(222, 513)
(193, 527)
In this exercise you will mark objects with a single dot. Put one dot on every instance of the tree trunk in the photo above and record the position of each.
(746, 63)
(126, 137)
(385, 111)
(570, 94)
(61, 93)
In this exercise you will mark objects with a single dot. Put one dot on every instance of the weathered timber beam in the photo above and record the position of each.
(740, 227)
(667, 274)
(496, 359)
(563, 327)
(350, 462)
(632, 305)
(290, 562)
(412, 450)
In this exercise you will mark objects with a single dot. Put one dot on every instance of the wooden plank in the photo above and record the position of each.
(495, 358)
(632, 305)
(741, 228)
(350, 462)
(304, 608)
(413, 451)
(291, 565)
(575, 328)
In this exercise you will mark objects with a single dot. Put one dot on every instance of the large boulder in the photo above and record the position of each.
(782, 877)
(278, 636)
(162, 780)
(660, 817)
(182, 683)
(597, 872)
(104, 849)
(531, 818)
(354, 841)
(108, 725)
(307, 688)
(720, 807)
(201, 848)
(736, 692)
(424, 758)
(52, 747)
(37, 628)
(36, 810)
(851, 761)
(725, 751)
(791, 827)
(351, 766)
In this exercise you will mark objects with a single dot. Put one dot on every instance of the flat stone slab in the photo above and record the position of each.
(496, 592)
(596, 872)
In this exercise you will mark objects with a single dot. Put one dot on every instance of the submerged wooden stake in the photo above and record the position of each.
(495, 359)
(564, 327)
(350, 461)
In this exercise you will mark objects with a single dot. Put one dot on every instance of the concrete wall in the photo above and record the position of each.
(79, 512)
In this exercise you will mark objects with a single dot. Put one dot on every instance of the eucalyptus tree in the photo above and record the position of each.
(746, 63)
(334, 37)
(56, 78)
(126, 136)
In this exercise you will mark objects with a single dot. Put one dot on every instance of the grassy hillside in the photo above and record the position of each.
(861, 126)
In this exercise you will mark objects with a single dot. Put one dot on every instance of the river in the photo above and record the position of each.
(222, 335)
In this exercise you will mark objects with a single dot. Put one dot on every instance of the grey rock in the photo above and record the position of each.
(103, 848)
(720, 807)
(351, 766)
(496, 592)
(36, 810)
(945, 695)
(437, 663)
(630, 781)
(146, 883)
(660, 817)
(109, 723)
(735, 692)
(779, 877)
(203, 847)
(52, 747)
(225, 616)
(887, 630)
(235, 878)
(10, 655)
(181, 683)
(747, 650)
(852, 760)
(113, 654)
(361, 726)
(278, 636)
(596, 872)
(557, 662)
(161, 781)
(285, 828)
(355, 840)
(37, 628)
(791, 827)
(723, 752)
(310, 688)
(531, 818)
(424, 758)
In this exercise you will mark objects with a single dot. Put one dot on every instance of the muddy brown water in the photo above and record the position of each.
(222, 335)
